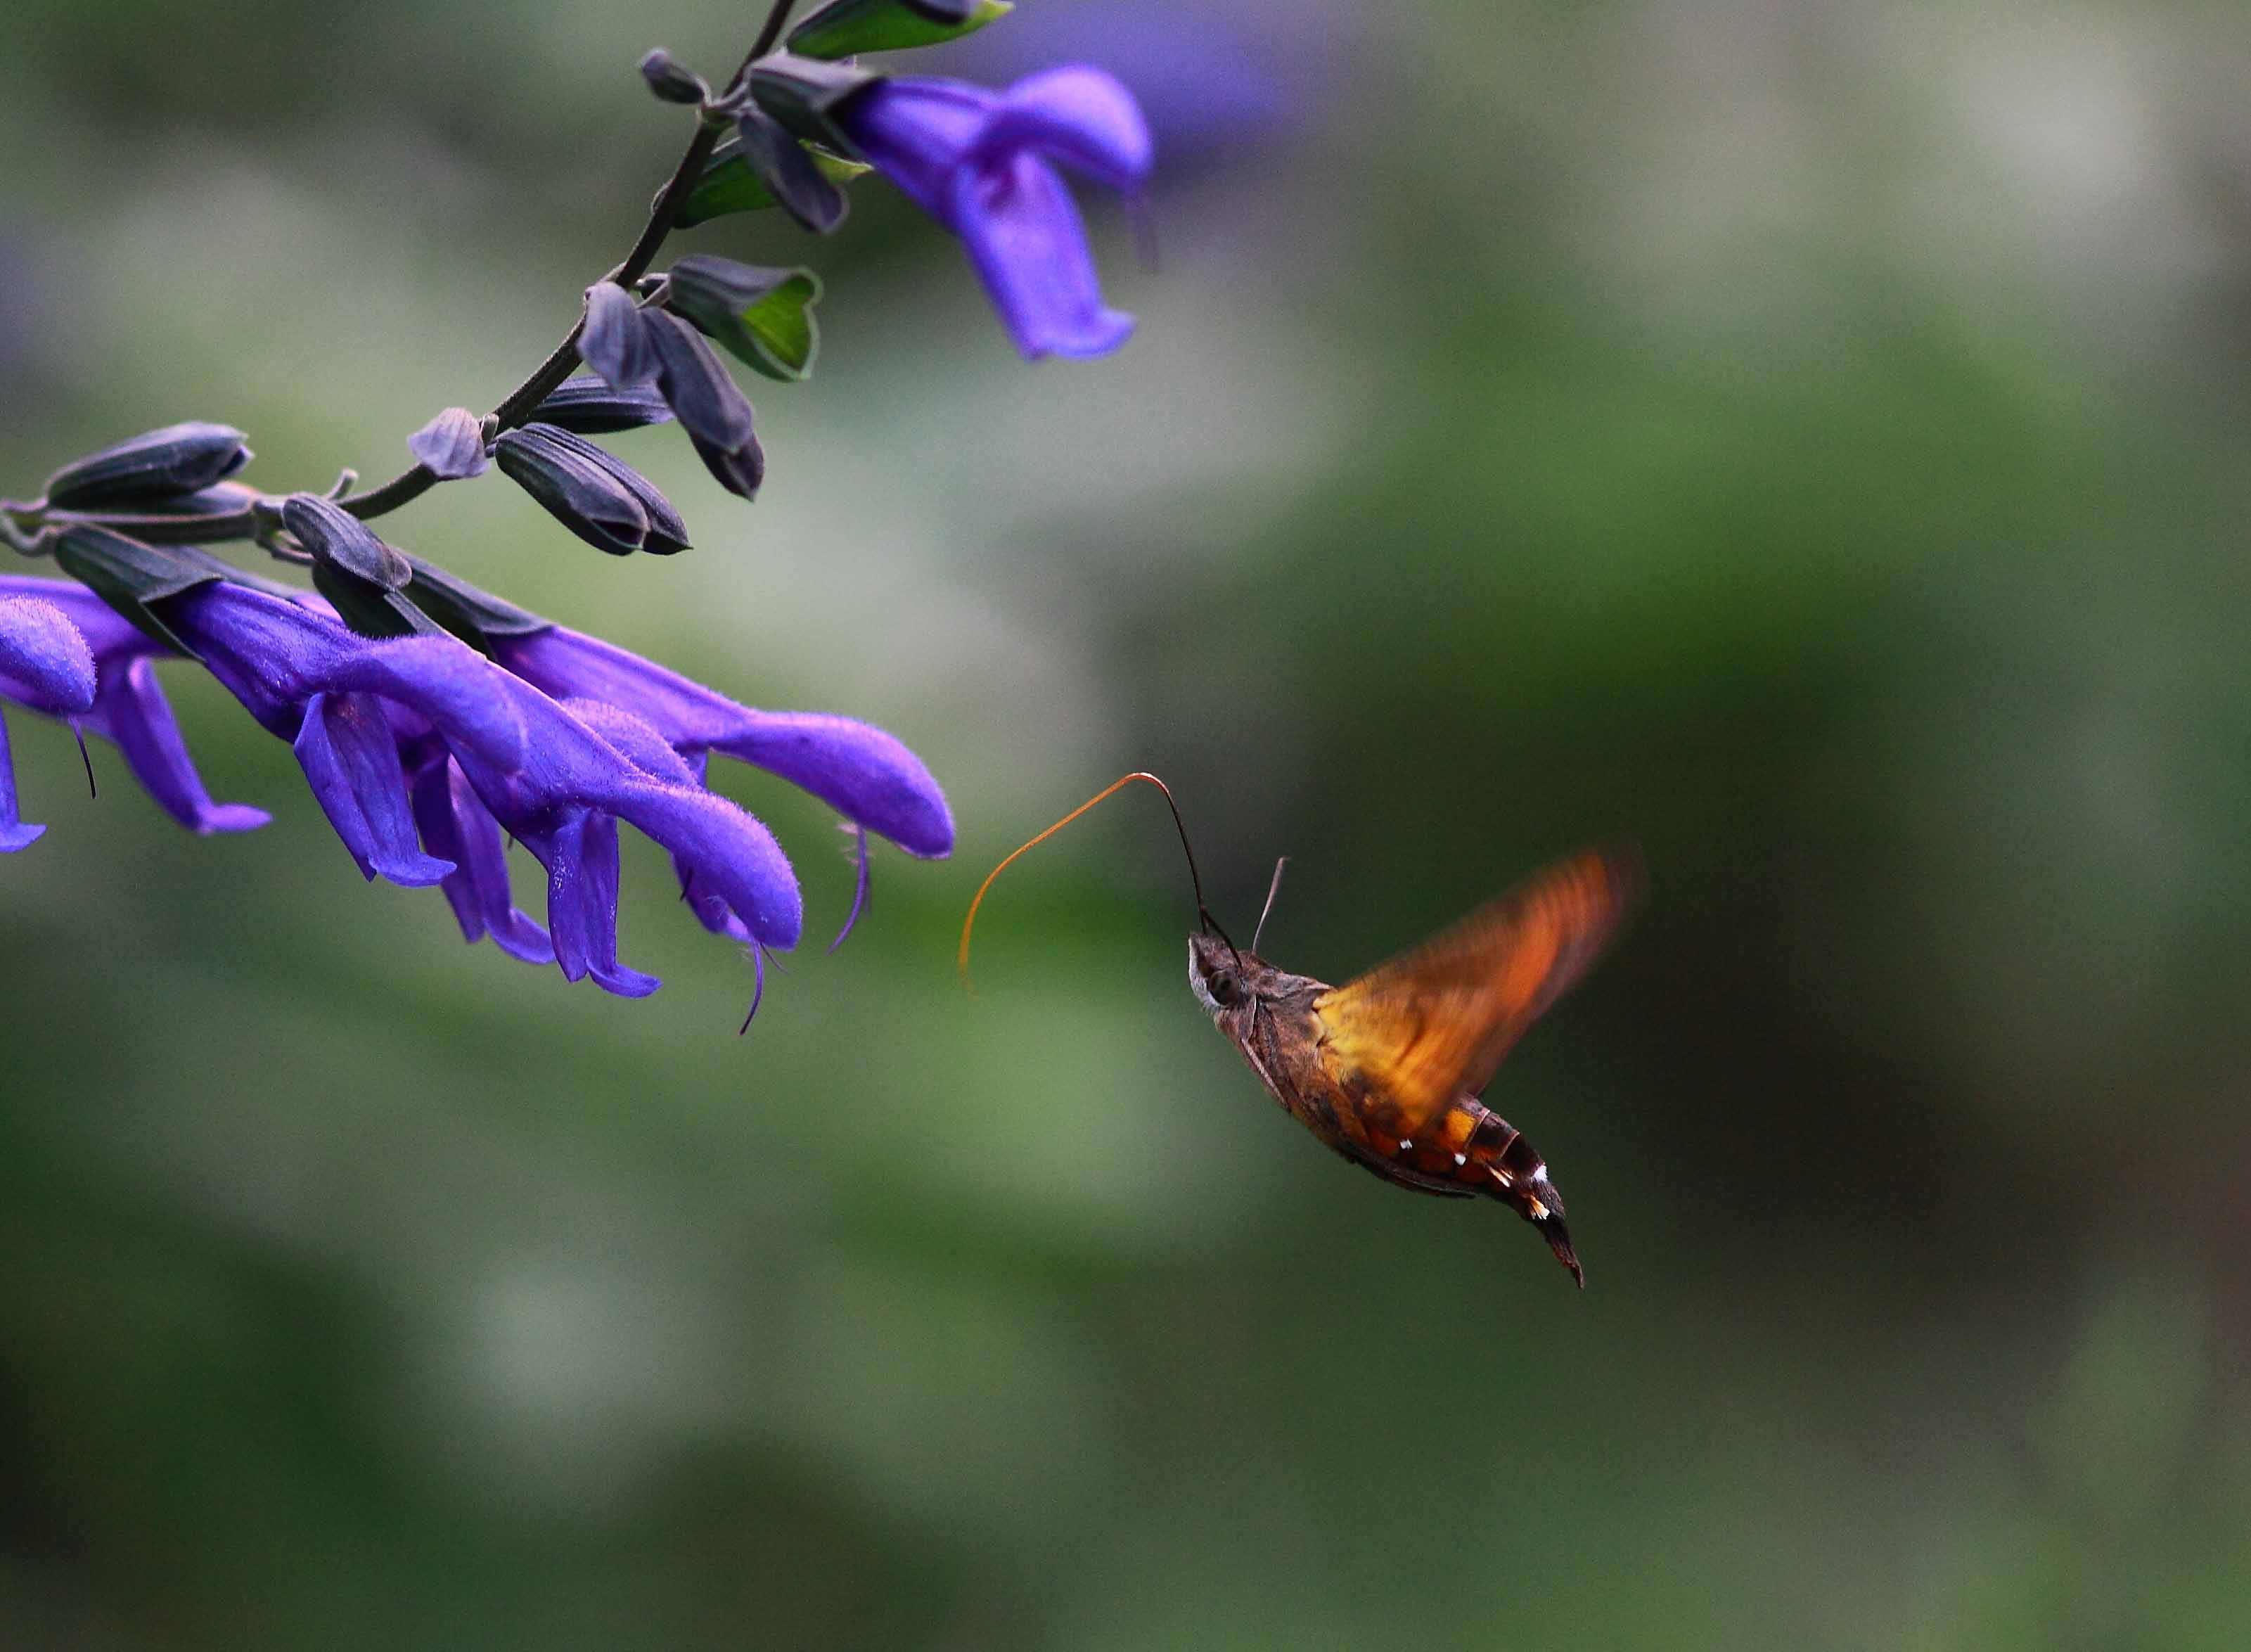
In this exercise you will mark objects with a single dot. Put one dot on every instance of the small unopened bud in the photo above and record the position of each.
(592, 408)
(176, 459)
(671, 82)
(605, 502)
(451, 445)
(614, 342)
(335, 537)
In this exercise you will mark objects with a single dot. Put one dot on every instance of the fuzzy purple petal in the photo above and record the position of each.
(131, 711)
(129, 708)
(865, 774)
(917, 131)
(1023, 236)
(45, 662)
(567, 766)
(580, 854)
(15, 832)
(1079, 115)
(456, 827)
(273, 655)
(351, 759)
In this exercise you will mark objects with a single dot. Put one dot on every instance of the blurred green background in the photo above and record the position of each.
(1810, 439)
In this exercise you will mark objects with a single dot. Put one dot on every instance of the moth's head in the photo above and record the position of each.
(1216, 974)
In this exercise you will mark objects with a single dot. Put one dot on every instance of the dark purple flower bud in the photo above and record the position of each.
(791, 174)
(451, 445)
(670, 81)
(846, 28)
(741, 470)
(335, 538)
(605, 503)
(703, 395)
(614, 341)
(177, 458)
(592, 408)
(983, 164)
(666, 532)
(364, 578)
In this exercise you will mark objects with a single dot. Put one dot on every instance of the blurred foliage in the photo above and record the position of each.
(1810, 440)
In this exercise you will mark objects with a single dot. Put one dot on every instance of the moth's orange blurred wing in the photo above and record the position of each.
(1433, 1023)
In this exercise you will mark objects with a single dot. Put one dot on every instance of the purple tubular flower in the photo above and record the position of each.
(129, 707)
(979, 161)
(861, 772)
(585, 767)
(311, 681)
(42, 660)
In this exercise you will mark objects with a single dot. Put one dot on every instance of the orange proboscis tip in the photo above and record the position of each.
(961, 960)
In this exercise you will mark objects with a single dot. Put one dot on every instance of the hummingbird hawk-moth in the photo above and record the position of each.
(1386, 1069)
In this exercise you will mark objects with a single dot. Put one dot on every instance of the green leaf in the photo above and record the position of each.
(844, 28)
(730, 185)
(764, 317)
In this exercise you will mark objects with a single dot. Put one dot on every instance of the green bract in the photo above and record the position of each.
(730, 185)
(763, 316)
(843, 28)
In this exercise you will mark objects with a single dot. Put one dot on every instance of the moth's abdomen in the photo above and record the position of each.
(1478, 1152)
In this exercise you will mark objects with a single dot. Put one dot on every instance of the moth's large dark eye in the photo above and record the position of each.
(1225, 987)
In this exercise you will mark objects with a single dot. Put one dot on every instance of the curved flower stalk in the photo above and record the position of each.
(128, 707)
(982, 164)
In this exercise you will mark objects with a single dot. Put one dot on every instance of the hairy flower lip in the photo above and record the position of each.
(46, 664)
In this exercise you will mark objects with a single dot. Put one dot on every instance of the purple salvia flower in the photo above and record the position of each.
(313, 681)
(865, 774)
(426, 756)
(457, 827)
(588, 766)
(556, 779)
(43, 662)
(979, 161)
(129, 707)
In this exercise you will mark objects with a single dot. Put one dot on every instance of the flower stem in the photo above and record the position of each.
(518, 404)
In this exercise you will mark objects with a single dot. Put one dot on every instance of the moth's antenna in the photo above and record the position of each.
(1204, 919)
(1272, 889)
